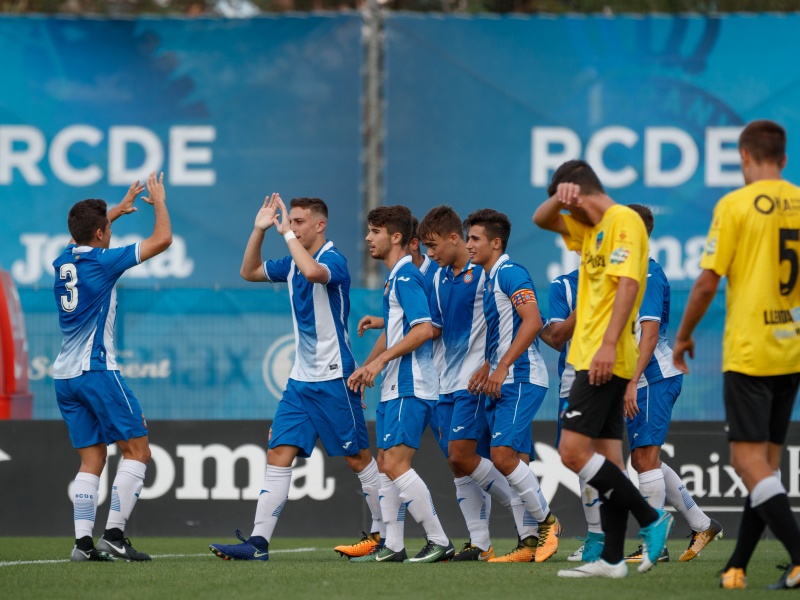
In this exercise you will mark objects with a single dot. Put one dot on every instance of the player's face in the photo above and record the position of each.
(305, 225)
(440, 250)
(479, 245)
(580, 215)
(379, 242)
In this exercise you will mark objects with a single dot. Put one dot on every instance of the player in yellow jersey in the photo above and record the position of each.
(614, 253)
(754, 241)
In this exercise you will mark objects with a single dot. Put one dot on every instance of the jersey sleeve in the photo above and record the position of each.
(436, 309)
(628, 246)
(515, 282)
(558, 306)
(116, 261)
(720, 245)
(277, 271)
(576, 232)
(652, 307)
(413, 298)
(336, 264)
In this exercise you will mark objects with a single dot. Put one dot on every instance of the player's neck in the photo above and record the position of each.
(318, 243)
(489, 265)
(394, 256)
(597, 208)
(461, 260)
(761, 172)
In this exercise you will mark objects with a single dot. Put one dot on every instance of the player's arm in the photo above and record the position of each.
(647, 345)
(126, 207)
(307, 265)
(601, 369)
(416, 336)
(356, 381)
(252, 265)
(531, 325)
(161, 238)
(558, 333)
(370, 322)
(548, 215)
(703, 292)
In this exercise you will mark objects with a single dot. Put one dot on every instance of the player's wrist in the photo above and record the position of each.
(289, 235)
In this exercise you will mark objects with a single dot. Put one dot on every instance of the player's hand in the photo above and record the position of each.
(478, 379)
(155, 187)
(495, 382)
(680, 348)
(355, 382)
(281, 219)
(567, 194)
(601, 369)
(266, 214)
(631, 407)
(369, 322)
(126, 207)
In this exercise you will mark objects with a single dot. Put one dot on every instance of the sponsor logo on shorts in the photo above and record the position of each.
(494, 435)
(387, 436)
(347, 445)
(457, 429)
(572, 413)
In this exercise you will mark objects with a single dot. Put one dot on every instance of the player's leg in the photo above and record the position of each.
(120, 419)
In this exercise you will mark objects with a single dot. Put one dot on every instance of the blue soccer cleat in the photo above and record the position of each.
(654, 538)
(254, 548)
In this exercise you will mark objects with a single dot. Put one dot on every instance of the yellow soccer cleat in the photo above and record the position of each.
(549, 532)
(524, 552)
(362, 547)
(733, 579)
(701, 539)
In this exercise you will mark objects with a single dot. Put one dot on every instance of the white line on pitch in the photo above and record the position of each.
(209, 555)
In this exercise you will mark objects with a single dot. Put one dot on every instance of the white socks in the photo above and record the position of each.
(370, 485)
(679, 497)
(471, 502)
(84, 500)
(271, 500)
(526, 485)
(652, 488)
(417, 498)
(494, 483)
(591, 507)
(394, 514)
(128, 482)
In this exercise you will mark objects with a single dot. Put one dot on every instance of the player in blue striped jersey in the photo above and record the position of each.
(649, 398)
(317, 403)
(404, 356)
(96, 404)
(513, 377)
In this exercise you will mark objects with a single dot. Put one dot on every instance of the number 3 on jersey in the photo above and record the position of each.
(69, 301)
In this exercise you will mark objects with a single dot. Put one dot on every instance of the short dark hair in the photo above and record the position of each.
(315, 205)
(576, 171)
(85, 218)
(646, 214)
(495, 223)
(396, 219)
(765, 141)
(442, 221)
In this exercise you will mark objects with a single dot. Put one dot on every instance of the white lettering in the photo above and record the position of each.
(225, 489)
(59, 155)
(165, 474)
(182, 155)
(721, 151)
(118, 140)
(543, 161)
(595, 148)
(24, 160)
(654, 139)
(692, 476)
(794, 471)
(312, 475)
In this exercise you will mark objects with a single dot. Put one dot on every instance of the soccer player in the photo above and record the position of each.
(463, 431)
(649, 398)
(754, 241)
(613, 245)
(404, 354)
(513, 377)
(97, 405)
(563, 297)
(316, 403)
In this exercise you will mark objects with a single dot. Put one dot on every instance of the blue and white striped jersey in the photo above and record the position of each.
(405, 304)
(86, 296)
(428, 269)
(457, 309)
(655, 307)
(563, 298)
(319, 312)
(509, 285)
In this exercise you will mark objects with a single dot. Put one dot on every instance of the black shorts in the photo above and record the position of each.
(758, 409)
(596, 411)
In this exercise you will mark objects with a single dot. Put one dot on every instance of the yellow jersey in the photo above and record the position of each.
(754, 241)
(616, 247)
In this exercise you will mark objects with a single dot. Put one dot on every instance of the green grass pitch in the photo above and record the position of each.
(301, 568)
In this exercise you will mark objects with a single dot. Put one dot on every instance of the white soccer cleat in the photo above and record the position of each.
(576, 556)
(598, 568)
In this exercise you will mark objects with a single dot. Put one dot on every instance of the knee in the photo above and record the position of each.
(505, 462)
(359, 462)
(570, 458)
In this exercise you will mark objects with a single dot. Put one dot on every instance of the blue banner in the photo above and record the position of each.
(229, 110)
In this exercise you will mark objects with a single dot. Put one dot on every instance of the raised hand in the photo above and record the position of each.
(266, 214)
(126, 207)
(281, 222)
(155, 187)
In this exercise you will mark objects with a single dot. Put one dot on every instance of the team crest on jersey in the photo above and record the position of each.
(599, 241)
(468, 276)
(619, 256)
(711, 247)
(386, 288)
